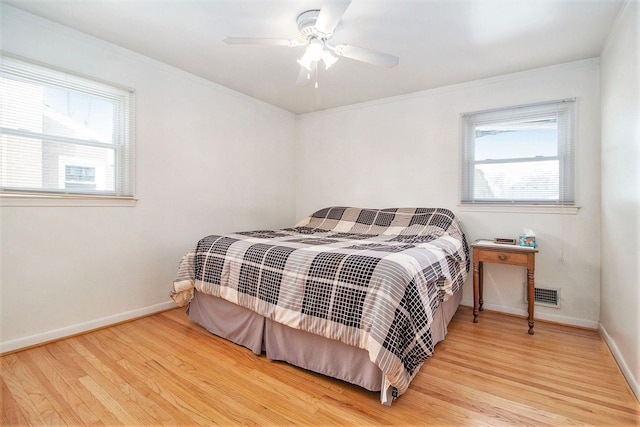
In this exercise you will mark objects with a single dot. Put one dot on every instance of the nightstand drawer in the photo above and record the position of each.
(501, 257)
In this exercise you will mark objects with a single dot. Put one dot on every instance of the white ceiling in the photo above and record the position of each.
(439, 42)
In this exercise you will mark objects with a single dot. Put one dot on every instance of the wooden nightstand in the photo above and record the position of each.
(487, 251)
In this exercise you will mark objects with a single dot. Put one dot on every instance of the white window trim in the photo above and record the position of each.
(469, 204)
(525, 209)
(121, 196)
(64, 200)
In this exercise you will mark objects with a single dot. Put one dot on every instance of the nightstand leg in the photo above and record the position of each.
(476, 284)
(480, 286)
(530, 298)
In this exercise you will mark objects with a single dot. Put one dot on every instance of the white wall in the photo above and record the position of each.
(405, 151)
(209, 160)
(620, 295)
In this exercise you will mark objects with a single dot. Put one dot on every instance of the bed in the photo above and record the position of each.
(362, 295)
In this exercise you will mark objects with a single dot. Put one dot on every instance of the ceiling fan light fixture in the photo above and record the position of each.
(305, 62)
(315, 50)
(328, 59)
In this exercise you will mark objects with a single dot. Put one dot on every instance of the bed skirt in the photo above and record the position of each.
(299, 348)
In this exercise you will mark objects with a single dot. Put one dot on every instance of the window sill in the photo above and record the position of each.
(527, 209)
(31, 200)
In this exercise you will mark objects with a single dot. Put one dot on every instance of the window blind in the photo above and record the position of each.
(62, 133)
(519, 155)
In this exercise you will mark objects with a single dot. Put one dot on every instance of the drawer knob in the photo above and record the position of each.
(502, 257)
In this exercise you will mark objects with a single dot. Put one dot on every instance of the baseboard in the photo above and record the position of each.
(56, 334)
(565, 320)
(622, 364)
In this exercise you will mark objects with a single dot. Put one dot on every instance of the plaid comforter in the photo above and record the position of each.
(367, 277)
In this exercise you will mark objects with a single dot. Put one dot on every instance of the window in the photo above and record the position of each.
(78, 177)
(63, 134)
(521, 155)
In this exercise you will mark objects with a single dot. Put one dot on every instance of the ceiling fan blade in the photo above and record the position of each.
(261, 41)
(305, 76)
(366, 55)
(330, 14)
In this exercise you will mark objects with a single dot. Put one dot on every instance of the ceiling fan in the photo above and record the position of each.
(315, 29)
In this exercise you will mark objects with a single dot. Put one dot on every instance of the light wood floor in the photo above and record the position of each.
(164, 370)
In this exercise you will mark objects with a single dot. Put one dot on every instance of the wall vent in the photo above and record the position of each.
(544, 296)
